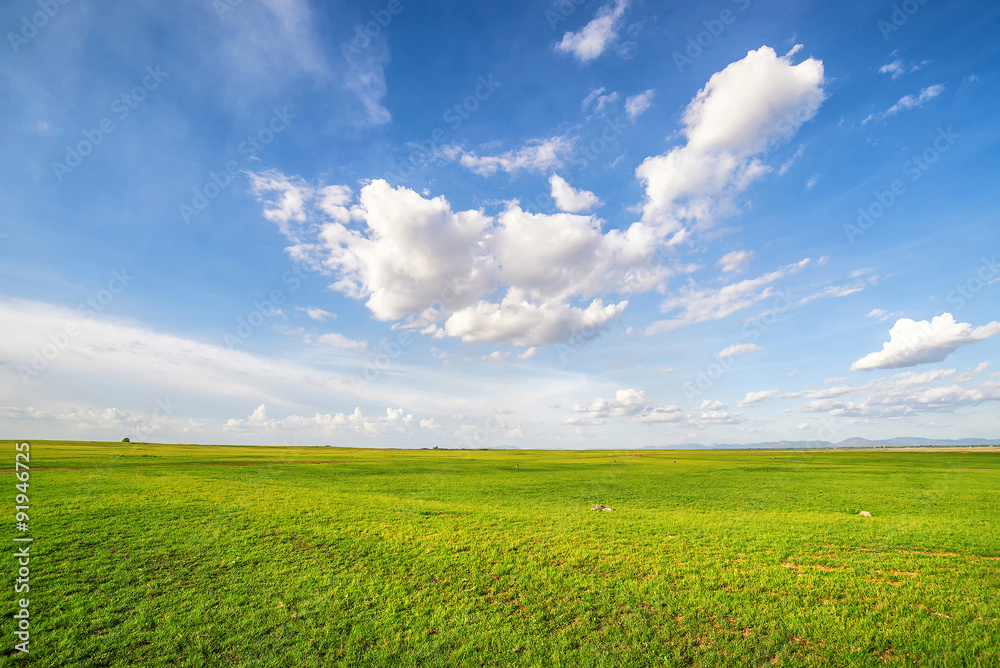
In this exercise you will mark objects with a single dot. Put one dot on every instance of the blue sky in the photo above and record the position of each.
(573, 225)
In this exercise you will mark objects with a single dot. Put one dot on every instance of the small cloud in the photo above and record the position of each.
(791, 373)
(785, 166)
(740, 349)
(591, 40)
(811, 183)
(895, 68)
(734, 261)
(637, 104)
(318, 313)
(908, 102)
(528, 354)
(755, 398)
(497, 356)
(341, 341)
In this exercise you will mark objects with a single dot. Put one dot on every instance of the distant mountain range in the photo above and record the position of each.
(900, 442)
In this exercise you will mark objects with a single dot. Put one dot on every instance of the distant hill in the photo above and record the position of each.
(898, 442)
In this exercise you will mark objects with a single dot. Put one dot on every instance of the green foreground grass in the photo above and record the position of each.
(162, 555)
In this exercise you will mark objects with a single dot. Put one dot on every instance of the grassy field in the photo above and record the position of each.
(166, 555)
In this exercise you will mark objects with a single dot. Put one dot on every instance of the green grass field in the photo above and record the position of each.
(163, 555)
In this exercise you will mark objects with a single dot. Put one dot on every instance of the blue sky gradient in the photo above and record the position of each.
(729, 222)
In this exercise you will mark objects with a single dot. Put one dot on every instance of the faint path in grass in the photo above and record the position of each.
(134, 466)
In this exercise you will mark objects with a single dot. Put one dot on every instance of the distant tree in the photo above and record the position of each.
(125, 440)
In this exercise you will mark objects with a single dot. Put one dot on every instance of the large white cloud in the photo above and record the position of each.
(535, 278)
(414, 259)
(914, 342)
(752, 104)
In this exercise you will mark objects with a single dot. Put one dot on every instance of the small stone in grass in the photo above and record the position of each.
(865, 513)
(601, 507)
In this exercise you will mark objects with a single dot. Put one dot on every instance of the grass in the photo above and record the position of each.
(163, 555)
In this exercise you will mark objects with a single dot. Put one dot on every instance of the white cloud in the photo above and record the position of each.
(414, 259)
(517, 320)
(703, 305)
(269, 47)
(756, 397)
(746, 108)
(908, 102)
(836, 291)
(528, 354)
(636, 105)
(739, 349)
(396, 420)
(922, 342)
(318, 313)
(340, 341)
(591, 41)
(591, 96)
(787, 164)
(629, 403)
(570, 199)
(906, 394)
(365, 78)
(287, 198)
(895, 68)
(109, 351)
(538, 155)
(734, 261)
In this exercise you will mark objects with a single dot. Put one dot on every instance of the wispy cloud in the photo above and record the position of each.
(908, 102)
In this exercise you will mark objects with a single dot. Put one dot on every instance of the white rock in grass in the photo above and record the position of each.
(601, 507)
(865, 513)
